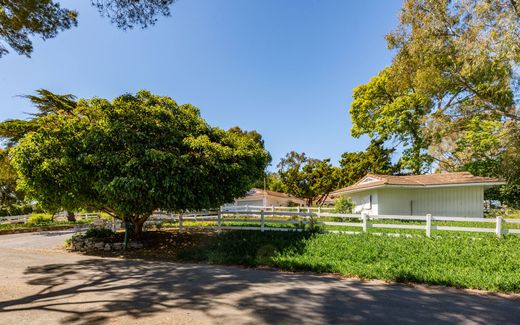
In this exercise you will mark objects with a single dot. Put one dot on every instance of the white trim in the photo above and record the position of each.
(340, 192)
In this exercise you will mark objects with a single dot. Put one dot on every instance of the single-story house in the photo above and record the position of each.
(442, 194)
(259, 197)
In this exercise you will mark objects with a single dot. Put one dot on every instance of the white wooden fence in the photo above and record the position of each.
(261, 216)
(24, 218)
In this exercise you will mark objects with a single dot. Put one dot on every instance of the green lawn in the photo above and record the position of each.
(484, 263)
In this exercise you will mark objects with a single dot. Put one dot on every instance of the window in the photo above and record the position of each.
(368, 180)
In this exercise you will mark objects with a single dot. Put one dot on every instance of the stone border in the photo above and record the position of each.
(79, 243)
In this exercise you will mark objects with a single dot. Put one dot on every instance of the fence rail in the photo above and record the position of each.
(24, 218)
(269, 219)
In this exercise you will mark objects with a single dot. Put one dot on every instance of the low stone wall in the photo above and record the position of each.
(80, 243)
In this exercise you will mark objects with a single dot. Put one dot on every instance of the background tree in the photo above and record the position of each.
(453, 86)
(46, 102)
(270, 181)
(12, 201)
(20, 19)
(386, 108)
(375, 159)
(307, 178)
(132, 156)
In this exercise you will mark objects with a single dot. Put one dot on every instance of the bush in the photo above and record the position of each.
(40, 218)
(15, 209)
(343, 205)
(99, 233)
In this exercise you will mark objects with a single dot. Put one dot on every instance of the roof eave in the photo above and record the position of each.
(485, 184)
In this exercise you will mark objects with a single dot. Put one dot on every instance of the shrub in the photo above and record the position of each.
(39, 218)
(343, 205)
(99, 233)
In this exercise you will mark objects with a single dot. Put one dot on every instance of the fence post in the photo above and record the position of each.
(498, 229)
(262, 220)
(219, 221)
(319, 211)
(428, 225)
(364, 216)
(180, 223)
(298, 209)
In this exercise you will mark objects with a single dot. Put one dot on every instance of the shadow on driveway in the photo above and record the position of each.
(93, 291)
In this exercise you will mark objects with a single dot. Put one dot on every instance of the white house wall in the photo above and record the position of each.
(266, 201)
(363, 203)
(460, 201)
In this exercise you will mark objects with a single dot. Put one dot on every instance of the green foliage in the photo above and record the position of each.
(20, 19)
(444, 261)
(40, 218)
(343, 204)
(11, 200)
(134, 155)
(271, 181)
(354, 165)
(99, 233)
(307, 178)
(451, 93)
(385, 109)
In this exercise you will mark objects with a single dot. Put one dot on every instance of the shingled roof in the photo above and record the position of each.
(429, 180)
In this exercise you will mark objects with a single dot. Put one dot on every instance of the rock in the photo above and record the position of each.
(99, 245)
(117, 246)
(136, 245)
(107, 247)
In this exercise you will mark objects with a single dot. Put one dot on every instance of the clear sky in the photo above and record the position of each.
(285, 68)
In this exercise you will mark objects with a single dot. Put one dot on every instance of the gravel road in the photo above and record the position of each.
(40, 283)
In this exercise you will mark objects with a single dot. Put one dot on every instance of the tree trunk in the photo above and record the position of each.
(70, 216)
(137, 226)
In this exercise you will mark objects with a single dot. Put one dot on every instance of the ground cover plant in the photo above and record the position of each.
(460, 261)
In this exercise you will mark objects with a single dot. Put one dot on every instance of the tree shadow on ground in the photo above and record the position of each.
(94, 291)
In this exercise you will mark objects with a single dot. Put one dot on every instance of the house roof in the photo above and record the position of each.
(429, 180)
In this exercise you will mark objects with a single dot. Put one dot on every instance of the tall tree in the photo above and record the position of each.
(461, 56)
(133, 155)
(454, 74)
(8, 193)
(387, 108)
(46, 102)
(307, 178)
(20, 19)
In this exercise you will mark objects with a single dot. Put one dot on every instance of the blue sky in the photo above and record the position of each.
(285, 68)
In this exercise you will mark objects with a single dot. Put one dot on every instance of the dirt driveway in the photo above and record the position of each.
(42, 284)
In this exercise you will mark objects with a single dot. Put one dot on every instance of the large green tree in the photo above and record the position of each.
(21, 19)
(451, 93)
(462, 57)
(133, 155)
(386, 109)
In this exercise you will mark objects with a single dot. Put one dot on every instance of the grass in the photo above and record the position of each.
(484, 263)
